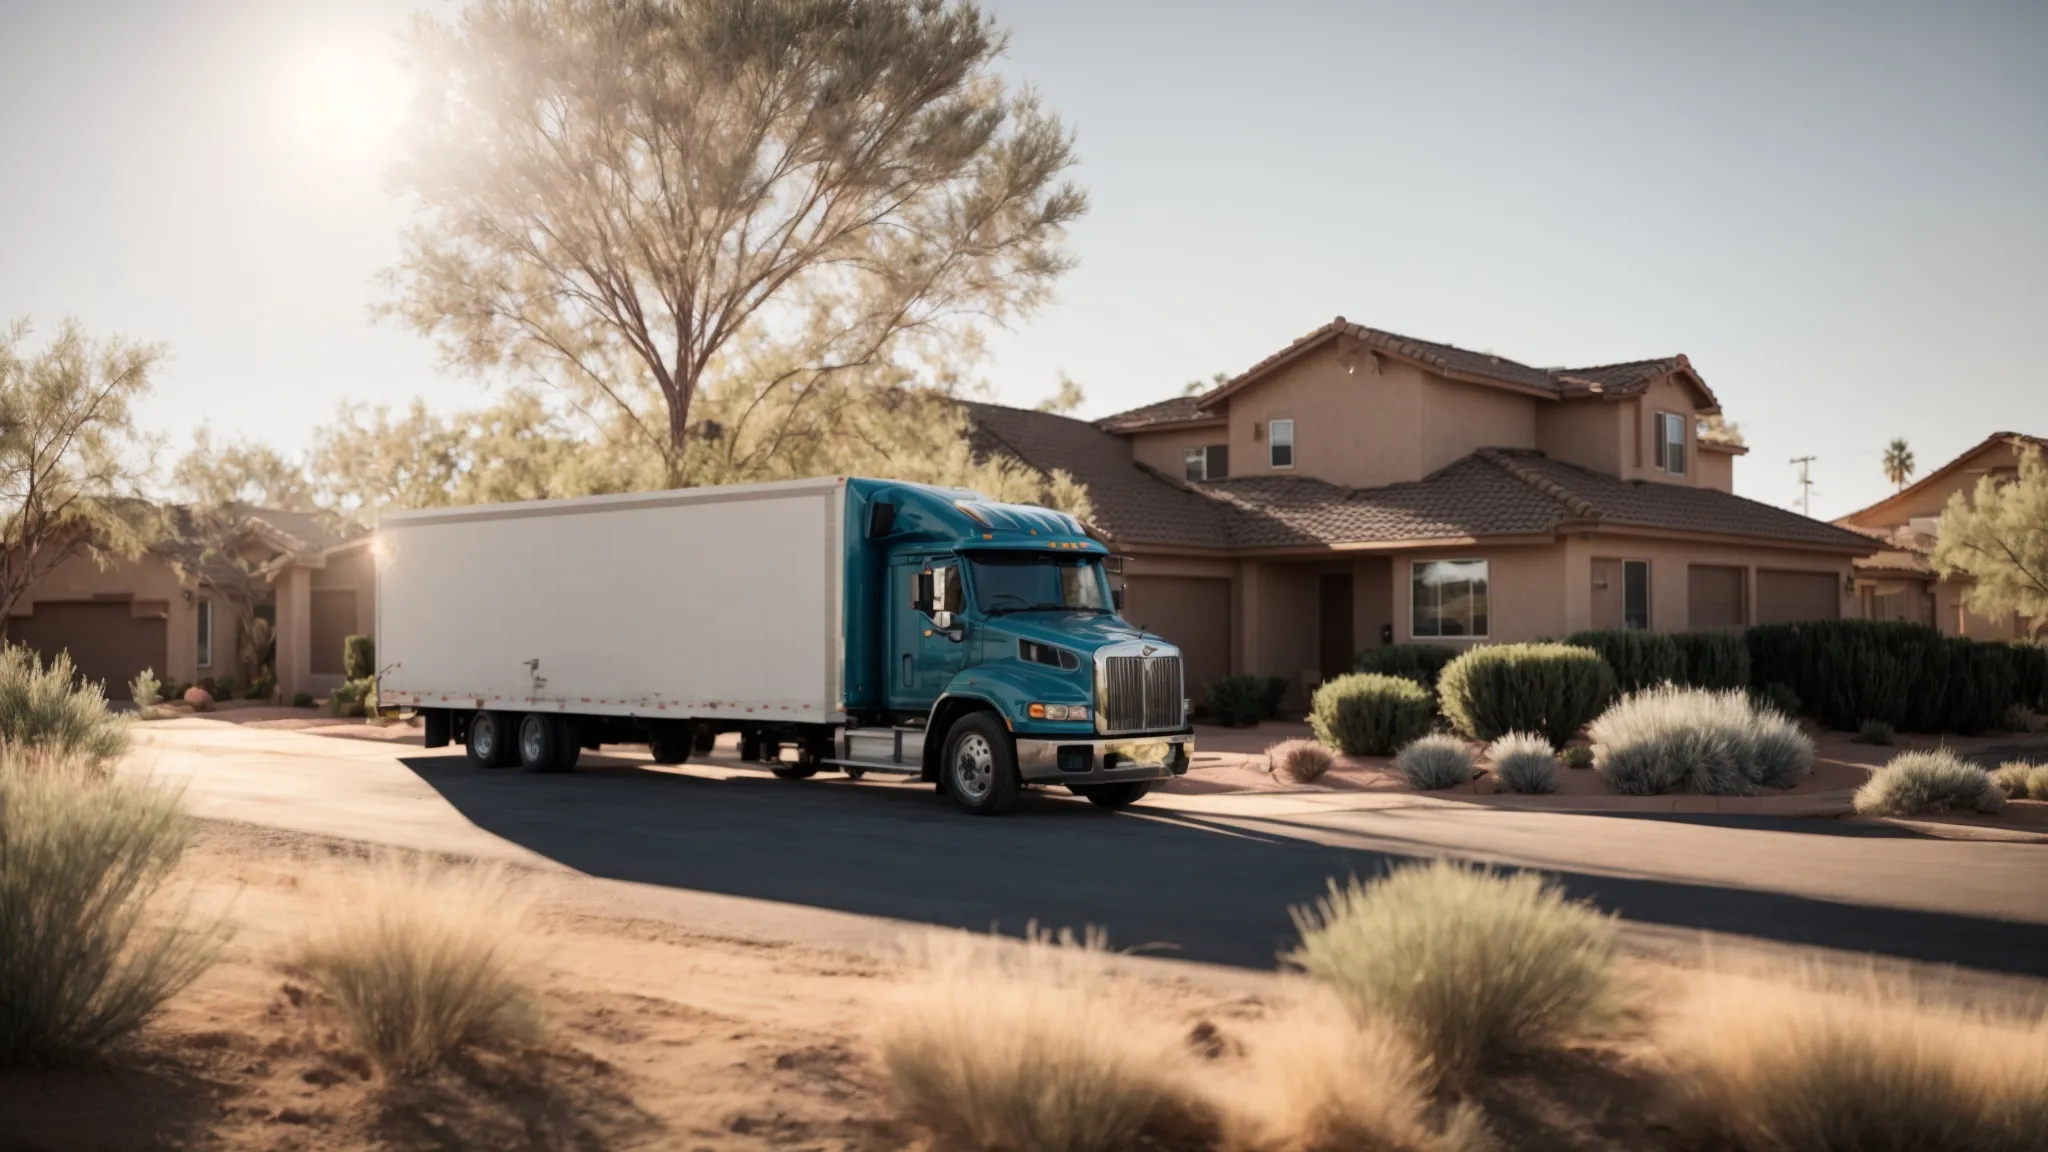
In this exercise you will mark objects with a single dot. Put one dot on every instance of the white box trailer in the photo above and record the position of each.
(642, 605)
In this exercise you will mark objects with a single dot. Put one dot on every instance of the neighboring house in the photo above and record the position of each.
(1359, 488)
(168, 610)
(1899, 582)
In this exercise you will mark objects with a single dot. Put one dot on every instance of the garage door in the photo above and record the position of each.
(107, 641)
(1714, 598)
(1190, 612)
(1782, 597)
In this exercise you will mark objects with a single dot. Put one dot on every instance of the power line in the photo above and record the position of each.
(1805, 484)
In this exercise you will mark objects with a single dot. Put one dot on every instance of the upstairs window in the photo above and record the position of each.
(1280, 438)
(1211, 462)
(1670, 437)
(1448, 598)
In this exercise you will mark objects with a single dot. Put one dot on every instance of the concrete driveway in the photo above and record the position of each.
(1207, 878)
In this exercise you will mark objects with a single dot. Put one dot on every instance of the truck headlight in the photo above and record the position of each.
(1058, 711)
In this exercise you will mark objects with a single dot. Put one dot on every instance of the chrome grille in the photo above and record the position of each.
(1141, 694)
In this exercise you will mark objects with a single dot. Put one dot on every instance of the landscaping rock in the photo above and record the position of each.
(198, 698)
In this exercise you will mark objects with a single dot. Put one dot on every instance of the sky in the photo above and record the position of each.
(1838, 211)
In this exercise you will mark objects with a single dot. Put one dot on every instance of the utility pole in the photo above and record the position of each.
(1805, 484)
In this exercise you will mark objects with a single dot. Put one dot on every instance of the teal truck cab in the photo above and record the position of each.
(985, 651)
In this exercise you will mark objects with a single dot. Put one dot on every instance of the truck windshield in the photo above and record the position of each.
(1026, 582)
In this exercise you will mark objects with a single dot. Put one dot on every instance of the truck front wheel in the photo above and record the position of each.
(491, 740)
(1113, 796)
(981, 765)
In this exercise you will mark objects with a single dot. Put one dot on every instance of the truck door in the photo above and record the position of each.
(922, 660)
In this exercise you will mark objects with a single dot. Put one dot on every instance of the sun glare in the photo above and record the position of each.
(346, 103)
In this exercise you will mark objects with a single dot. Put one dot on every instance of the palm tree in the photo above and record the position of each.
(1898, 463)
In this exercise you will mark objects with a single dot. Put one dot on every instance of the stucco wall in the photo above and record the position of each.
(1589, 433)
(1953, 617)
(1525, 594)
(150, 582)
(1664, 394)
(1717, 470)
(1670, 602)
(1163, 449)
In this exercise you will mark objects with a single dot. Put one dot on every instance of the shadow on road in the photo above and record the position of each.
(1214, 890)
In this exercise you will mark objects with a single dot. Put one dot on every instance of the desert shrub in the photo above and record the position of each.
(1777, 696)
(145, 690)
(1928, 782)
(1026, 1049)
(1435, 762)
(359, 656)
(2018, 718)
(1524, 763)
(2037, 782)
(224, 689)
(302, 699)
(1422, 663)
(1578, 756)
(345, 700)
(1302, 761)
(261, 688)
(1365, 714)
(1714, 659)
(1772, 1065)
(1272, 690)
(1320, 1082)
(51, 708)
(1694, 740)
(1908, 675)
(1469, 965)
(81, 855)
(2030, 674)
(1236, 701)
(2014, 778)
(1549, 689)
(422, 961)
(1640, 659)
(1876, 732)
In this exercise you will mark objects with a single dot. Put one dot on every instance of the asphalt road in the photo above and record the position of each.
(1206, 878)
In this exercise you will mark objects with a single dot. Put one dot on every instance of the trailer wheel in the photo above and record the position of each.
(671, 741)
(492, 742)
(1113, 796)
(546, 743)
(980, 768)
(704, 741)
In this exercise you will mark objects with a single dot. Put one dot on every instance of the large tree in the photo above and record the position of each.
(71, 460)
(1898, 463)
(786, 203)
(1998, 537)
(240, 472)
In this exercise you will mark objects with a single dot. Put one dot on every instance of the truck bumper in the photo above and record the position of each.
(1106, 761)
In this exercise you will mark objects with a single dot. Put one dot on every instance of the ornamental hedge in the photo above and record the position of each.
(1717, 660)
(1366, 714)
(1908, 675)
(1422, 663)
(1640, 659)
(1549, 689)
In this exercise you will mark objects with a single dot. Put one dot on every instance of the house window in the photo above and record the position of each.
(1211, 462)
(205, 614)
(1670, 431)
(1635, 594)
(1280, 434)
(1448, 598)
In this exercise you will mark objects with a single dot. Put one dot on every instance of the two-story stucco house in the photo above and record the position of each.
(1899, 582)
(1359, 488)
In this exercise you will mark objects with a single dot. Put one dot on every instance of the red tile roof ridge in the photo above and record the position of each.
(1579, 505)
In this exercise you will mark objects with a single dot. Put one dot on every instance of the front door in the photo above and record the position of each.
(922, 659)
(1336, 603)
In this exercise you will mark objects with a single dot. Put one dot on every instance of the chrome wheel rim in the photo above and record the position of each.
(974, 766)
(482, 735)
(532, 741)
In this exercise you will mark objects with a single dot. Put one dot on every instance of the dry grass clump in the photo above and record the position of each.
(49, 707)
(1469, 965)
(1928, 782)
(1022, 1047)
(1435, 761)
(1696, 740)
(1302, 761)
(2022, 780)
(1524, 762)
(1782, 1066)
(82, 965)
(1320, 1082)
(422, 961)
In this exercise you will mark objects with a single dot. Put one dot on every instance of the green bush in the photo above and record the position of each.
(1272, 691)
(1689, 739)
(1578, 756)
(1718, 660)
(347, 699)
(1472, 966)
(84, 961)
(1908, 675)
(1928, 782)
(1365, 714)
(359, 656)
(224, 689)
(1549, 689)
(2030, 674)
(145, 690)
(50, 707)
(1524, 763)
(1778, 696)
(302, 699)
(262, 688)
(1640, 659)
(1422, 663)
(1876, 732)
(1435, 762)
(1236, 701)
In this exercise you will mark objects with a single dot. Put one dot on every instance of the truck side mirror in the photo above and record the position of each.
(921, 599)
(947, 589)
(1116, 599)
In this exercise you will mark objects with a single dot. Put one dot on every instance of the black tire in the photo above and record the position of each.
(547, 743)
(795, 772)
(493, 740)
(703, 741)
(979, 770)
(1113, 796)
(670, 741)
(854, 773)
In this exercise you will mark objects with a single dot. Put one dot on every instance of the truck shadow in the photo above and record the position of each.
(1196, 887)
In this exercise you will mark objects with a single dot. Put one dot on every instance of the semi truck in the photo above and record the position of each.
(838, 624)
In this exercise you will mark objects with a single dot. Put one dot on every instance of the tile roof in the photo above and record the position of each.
(1902, 561)
(1174, 411)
